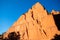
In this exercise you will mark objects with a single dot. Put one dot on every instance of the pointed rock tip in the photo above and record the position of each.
(55, 12)
(38, 6)
(37, 3)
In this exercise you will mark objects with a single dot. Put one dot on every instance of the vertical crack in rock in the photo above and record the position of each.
(23, 35)
(27, 32)
(40, 31)
(39, 23)
(44, 32)
(32, 15)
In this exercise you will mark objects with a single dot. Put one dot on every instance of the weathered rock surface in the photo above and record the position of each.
(36, 24)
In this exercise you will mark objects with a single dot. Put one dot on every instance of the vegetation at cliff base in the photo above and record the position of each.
(11, 36)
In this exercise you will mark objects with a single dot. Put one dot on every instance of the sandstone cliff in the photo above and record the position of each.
(36, 24)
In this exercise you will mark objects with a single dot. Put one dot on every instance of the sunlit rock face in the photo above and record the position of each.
(36, 24)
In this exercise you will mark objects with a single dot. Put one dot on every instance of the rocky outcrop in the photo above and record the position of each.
(36, 24)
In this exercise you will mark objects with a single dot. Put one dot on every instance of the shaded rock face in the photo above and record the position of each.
(57, 20)
(36, 24)
(57, 37)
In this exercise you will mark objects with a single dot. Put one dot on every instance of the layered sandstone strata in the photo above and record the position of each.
(36, 24)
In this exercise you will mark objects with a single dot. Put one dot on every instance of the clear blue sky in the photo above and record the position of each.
(11, 10)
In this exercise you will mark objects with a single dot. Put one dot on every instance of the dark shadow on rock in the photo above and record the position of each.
(56, 37)
(57, 20)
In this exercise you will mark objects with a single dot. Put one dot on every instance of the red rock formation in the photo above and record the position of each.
(36, 24)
